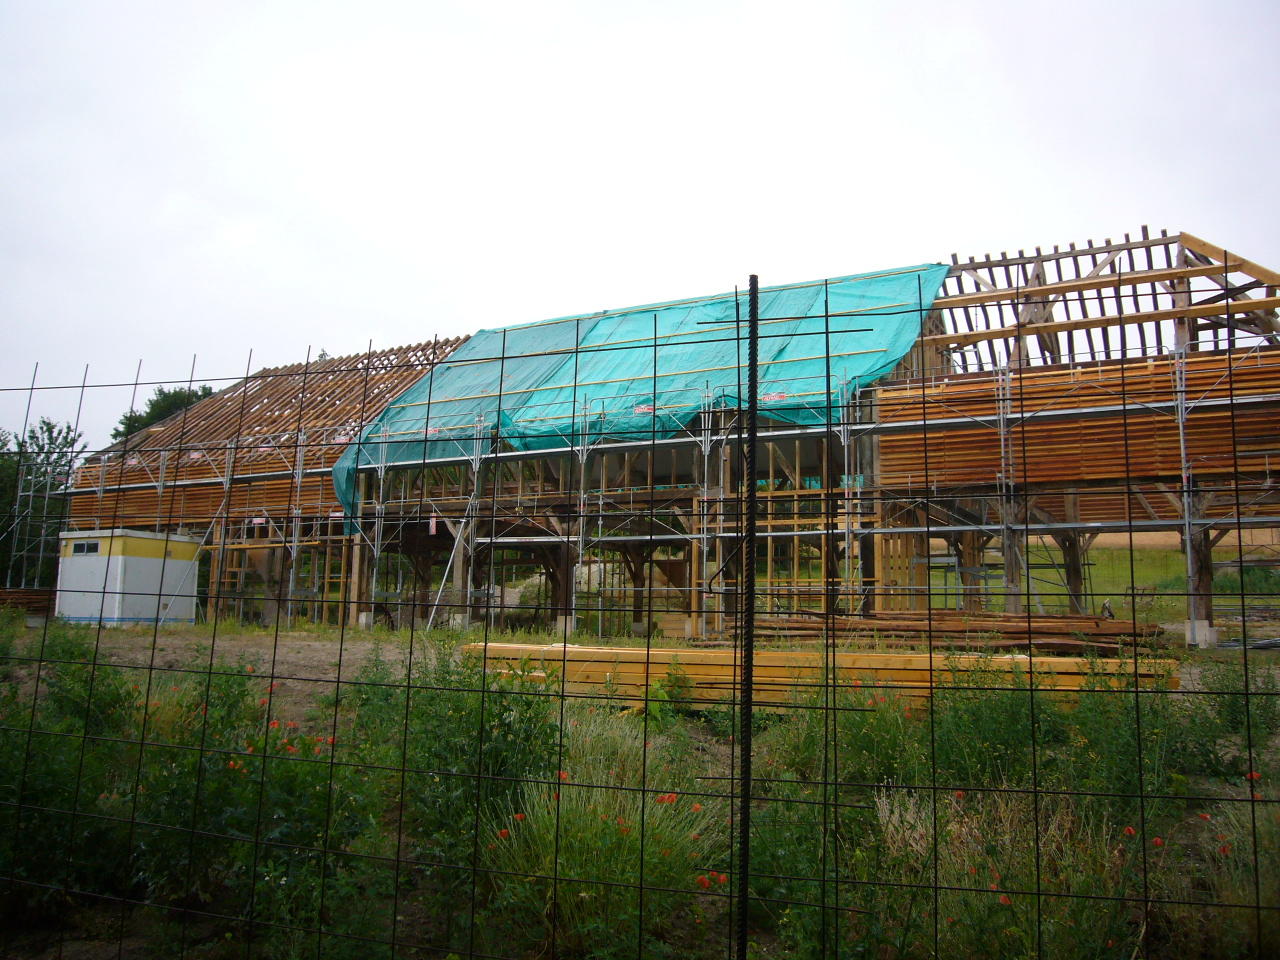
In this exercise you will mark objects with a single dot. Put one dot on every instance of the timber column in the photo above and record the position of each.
(356, 590)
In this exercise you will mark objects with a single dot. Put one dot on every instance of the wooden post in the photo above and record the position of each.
(1012, 569)
(355, 588)
(215, 576)
(635, 558)
(1073, 555)
(461, 579)
(871, 598)
(970, 549)
(1200, 589)
(1184, 328)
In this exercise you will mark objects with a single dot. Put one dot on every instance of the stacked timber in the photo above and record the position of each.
(1082, 424)
(38, 603)
(962, 631)
(703, 678)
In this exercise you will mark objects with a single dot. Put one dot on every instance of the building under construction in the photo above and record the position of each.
(941, 437)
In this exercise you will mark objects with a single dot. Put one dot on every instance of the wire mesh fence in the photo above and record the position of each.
(414, 653)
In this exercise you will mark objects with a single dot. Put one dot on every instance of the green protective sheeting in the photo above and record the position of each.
(648, 371)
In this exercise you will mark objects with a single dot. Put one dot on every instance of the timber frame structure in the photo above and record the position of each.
(248, 470)
(1052, 396)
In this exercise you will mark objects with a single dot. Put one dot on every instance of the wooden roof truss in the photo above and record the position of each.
(1138, 297)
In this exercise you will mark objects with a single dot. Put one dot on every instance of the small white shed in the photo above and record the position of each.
(127, 576)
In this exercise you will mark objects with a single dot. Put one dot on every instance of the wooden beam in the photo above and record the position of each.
(1099, 282)
(1206, 249)
(1237, 307)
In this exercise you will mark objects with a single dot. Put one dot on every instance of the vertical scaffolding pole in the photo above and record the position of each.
(748, 616)
(1196, 606)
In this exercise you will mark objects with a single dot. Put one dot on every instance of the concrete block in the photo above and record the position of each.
(1199, 634)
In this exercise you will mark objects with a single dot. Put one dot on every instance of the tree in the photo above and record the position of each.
(163, 404)
(34, 473)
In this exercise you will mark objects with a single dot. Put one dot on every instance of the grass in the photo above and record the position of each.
(427, 804)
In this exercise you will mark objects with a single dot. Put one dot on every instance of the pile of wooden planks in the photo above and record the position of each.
(38, 603)
(705, 678)
(963, 631)
(1083, 424)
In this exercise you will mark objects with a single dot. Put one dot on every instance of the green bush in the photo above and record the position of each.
(11, 621)
(565, 861)
(1255, 581)
(166, 791)
(497, 818)
(992, 726)
(1231, 702)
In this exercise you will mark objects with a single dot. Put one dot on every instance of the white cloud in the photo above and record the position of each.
(179, 180)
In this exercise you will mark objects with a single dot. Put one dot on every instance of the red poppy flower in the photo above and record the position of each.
(503, 834)
(703, 882)
(697, 808)
(1204, 816)
(1253, 775)
(1004, 898)
(1158, 842)
(519, 816)
(1225, 849)
(722, 879)
(564, 777)
(249, 669)
(1129, 831)
(959, 794)
(273, 724)
(994, 887)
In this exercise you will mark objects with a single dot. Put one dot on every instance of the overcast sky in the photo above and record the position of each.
(182, 179)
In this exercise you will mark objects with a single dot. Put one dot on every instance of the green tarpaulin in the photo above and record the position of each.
(648, 371)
